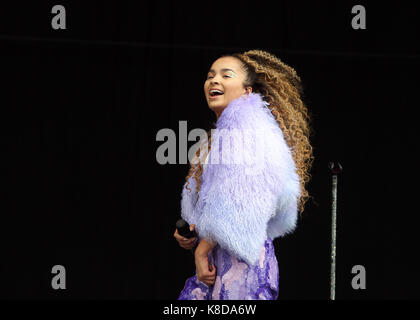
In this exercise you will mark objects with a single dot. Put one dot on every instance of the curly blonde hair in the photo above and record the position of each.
(280, 86)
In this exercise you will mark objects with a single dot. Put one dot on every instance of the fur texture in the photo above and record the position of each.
(238, 204)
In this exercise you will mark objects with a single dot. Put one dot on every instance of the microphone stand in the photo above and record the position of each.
(335, 170)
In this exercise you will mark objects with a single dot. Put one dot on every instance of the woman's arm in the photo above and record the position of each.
(204, 248)
(206, 272)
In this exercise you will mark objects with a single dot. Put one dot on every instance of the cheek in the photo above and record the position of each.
(234, 90)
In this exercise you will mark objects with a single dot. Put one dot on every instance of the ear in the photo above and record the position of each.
(248, 90)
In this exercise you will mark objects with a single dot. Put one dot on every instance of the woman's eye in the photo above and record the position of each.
(208, 77)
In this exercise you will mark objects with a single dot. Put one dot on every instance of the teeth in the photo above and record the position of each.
(215, 90)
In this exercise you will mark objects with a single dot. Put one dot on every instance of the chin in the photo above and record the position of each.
(213, 105)
(217, 102)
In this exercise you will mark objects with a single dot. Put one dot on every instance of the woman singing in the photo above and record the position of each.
(239, 207)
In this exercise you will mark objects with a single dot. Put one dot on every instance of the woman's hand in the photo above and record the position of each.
(184, 242)
(206, 272)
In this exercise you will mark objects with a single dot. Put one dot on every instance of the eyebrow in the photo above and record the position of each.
(224, 69)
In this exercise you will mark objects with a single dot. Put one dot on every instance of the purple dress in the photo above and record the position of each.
(235, 279)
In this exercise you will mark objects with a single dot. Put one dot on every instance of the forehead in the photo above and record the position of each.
(226, 63)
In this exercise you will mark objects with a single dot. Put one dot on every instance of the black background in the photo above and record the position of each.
(81, 107)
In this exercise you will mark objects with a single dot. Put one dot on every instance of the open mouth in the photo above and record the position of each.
(215, 93)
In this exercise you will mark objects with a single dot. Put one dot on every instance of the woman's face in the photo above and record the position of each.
(226, 75)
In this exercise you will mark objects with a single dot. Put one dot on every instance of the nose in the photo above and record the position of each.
(215, 79)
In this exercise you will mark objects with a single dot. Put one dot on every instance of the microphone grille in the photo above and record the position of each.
(181, 223)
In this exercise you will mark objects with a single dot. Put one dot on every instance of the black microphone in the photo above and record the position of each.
(184, 230)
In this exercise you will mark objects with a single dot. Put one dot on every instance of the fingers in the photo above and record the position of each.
(212, 272)
(188, 247)
(177, 235)
(188, 241)
(209, 281)
(181, 238)
(185, 242)
(189, 244)
(209, 278)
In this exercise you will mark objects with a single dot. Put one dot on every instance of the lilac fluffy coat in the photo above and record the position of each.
(238, 204)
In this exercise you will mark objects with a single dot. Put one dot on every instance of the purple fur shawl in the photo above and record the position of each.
(240, 204)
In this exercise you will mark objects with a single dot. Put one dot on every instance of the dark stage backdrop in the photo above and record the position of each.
(81, 107)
